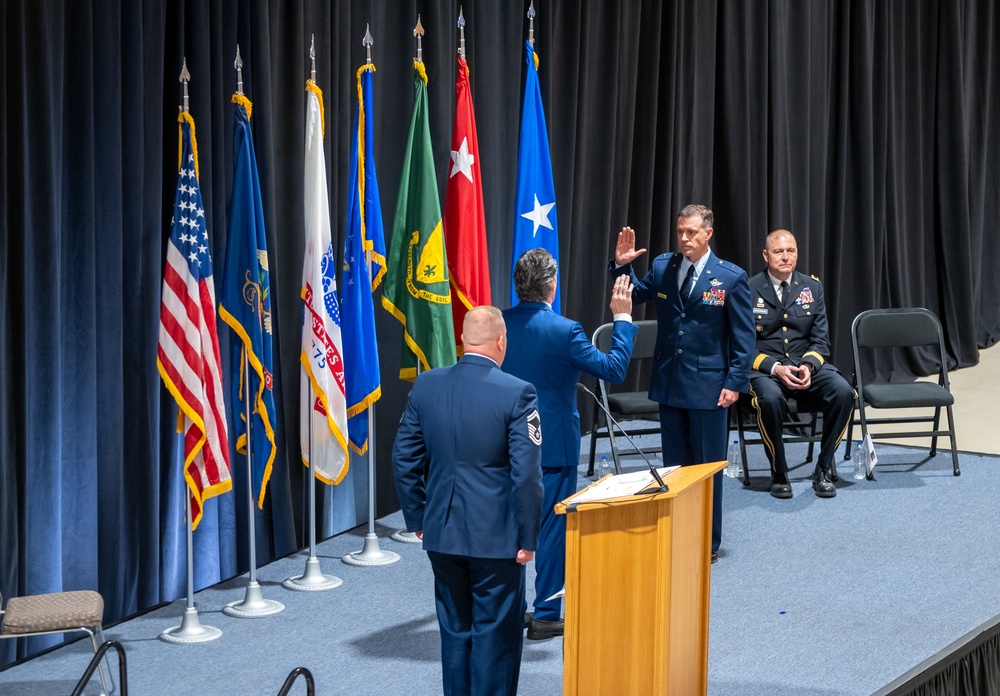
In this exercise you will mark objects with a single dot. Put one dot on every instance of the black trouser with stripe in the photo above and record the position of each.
(828, 393)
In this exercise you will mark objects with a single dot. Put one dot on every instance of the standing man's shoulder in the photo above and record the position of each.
(668, 258)
(723, 267)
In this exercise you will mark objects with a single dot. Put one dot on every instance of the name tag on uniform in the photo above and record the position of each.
(716, 297)
(661, 295)
(760, 310)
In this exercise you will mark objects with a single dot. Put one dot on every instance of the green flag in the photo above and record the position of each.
(417, 289)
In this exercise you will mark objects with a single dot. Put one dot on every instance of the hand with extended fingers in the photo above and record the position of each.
(625, 251)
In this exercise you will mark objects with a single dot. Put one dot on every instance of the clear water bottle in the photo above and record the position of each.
(735, 467)
(605, 468)
(860, 462)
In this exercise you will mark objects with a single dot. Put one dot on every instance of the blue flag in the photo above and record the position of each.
(535, 206)
(245, 305)
(365, 244)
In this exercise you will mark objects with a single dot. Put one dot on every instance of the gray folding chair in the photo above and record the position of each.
(624, 405)
(884, 330)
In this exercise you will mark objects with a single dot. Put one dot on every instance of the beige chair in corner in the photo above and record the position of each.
(59, 612)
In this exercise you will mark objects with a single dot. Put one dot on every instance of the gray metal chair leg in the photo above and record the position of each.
(97, 639)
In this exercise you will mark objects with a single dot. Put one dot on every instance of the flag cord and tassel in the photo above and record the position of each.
(253, 605)
(191, 629)
(371, 553)
(312, 579)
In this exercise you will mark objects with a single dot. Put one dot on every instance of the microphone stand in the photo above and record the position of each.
(611, 419)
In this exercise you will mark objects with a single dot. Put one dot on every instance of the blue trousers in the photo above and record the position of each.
(559, 483)
(479, 603)
(691, 436)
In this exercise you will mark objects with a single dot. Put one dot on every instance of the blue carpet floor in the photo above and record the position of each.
(810, 597)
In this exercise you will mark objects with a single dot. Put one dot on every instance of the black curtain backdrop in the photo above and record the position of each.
(863, 127)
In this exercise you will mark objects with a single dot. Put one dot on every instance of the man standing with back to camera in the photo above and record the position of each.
(550, 351)
(704, 343)
(467, 464)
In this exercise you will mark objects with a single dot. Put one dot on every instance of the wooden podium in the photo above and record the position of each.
(638, 572)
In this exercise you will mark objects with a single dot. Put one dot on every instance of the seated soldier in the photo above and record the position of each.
(792, 346)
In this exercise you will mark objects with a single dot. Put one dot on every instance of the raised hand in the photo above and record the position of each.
(625, 251)
(621, 295)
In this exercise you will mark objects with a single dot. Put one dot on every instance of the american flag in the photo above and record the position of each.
(188, 353)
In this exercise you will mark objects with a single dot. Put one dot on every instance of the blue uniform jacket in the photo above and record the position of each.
(704, 345)
(467, 460)
(550, 351)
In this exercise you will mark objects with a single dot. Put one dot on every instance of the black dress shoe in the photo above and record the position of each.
(781, 490)
(527, 617)
(539, 629)
(823, 486)
(715, 556)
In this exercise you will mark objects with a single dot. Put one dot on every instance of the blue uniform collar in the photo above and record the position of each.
(477, 359)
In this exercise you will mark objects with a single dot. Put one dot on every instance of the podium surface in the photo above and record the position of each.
(638, 573)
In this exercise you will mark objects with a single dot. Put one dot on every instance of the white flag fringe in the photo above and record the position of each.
(323, 403)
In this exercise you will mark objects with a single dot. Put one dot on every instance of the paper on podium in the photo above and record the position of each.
(620, 485)
(557, 595)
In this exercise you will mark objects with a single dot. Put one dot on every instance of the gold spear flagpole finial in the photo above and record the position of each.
(312, 58)
(531, 23)
(461, 32)
(367, 43)
(184, 79)
(418, 31)
(238, 64)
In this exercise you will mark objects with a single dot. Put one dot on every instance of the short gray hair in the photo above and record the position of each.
(533, 275)
(702, 211)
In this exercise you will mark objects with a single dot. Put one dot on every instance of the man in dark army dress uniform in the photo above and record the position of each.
(793, 345)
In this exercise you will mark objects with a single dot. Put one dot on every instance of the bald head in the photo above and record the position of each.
(781, 254)
(484, 332)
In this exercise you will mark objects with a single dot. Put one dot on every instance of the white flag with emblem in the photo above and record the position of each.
(323, 400)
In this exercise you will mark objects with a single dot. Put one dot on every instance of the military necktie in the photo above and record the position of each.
(687, 284)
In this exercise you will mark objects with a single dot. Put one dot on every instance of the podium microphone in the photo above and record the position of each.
(611, 419)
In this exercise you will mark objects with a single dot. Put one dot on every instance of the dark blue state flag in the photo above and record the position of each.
(365, 244)
(245, 305)
(535, 203)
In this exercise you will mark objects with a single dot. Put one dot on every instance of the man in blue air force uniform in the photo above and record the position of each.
(467, 464)
(793, 344)
(550, 351)
(704, 343)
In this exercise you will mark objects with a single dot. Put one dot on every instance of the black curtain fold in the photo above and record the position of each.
(866, 128)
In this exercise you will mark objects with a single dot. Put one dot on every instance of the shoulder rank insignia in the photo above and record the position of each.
(815, 278)
(535, 427)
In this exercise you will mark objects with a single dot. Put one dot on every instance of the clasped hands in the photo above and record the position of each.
(794, 376)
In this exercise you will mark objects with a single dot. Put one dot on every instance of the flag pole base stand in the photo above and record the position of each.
(405, 537)
(371, 554)
(253, 605)
(313, 579)
(191, 630)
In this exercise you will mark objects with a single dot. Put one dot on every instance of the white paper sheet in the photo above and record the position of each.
(620, 485)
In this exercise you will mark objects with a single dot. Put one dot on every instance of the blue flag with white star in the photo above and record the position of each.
(535, 206)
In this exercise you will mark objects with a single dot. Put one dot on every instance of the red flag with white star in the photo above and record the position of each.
(464, 217)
